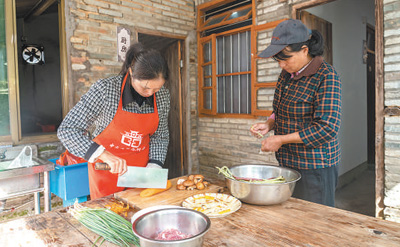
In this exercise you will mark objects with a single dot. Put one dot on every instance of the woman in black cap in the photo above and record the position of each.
(306, 112)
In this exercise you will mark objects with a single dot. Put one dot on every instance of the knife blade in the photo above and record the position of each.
(139, 177)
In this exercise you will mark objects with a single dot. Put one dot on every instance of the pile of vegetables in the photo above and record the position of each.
(192, 182)
(228, 174)
(107, 224)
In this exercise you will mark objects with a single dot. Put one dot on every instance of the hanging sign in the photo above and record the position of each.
(123, 42)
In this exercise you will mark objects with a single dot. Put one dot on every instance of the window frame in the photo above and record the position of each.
(203, 26)
(16, 136)
(255, 85)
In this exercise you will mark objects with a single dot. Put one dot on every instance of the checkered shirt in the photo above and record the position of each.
(309, 103)
(98, 107)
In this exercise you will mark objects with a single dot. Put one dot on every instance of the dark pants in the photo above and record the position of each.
(317, 185)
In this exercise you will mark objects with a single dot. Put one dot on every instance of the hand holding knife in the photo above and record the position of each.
(116, 164)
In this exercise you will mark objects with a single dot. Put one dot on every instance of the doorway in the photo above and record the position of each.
(39, 71)
(172, 49)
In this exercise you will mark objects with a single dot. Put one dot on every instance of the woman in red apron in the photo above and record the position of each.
(130, 113)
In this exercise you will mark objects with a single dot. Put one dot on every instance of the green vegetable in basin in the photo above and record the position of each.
(228, 174)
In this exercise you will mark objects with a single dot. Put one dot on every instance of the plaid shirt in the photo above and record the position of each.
(309, 103)
(98, 106)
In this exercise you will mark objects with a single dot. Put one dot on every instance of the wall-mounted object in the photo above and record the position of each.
(123, 41)
(33, 54)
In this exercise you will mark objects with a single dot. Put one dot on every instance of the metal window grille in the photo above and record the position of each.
(233, 66)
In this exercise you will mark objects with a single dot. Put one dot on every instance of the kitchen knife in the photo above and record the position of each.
(139, 177)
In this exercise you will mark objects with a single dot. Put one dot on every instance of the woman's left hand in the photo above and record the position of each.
(271, 144)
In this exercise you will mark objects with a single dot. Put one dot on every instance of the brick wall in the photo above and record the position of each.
(392, 124)
(92, 33)
(227, 142)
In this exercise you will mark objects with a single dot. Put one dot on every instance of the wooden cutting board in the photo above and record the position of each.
(169, 197)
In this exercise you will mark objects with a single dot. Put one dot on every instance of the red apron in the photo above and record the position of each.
(128, 137)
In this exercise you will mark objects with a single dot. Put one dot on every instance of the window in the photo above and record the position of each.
(31, 105)
(227, 62)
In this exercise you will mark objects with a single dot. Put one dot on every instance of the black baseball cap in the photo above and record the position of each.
(286, 33)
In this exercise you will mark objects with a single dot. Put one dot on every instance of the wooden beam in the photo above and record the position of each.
(379, 112)
(38, 9)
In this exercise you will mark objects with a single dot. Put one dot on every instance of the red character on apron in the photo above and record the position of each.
(128, 137)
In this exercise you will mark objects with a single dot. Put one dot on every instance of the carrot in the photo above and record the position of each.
(150, 191)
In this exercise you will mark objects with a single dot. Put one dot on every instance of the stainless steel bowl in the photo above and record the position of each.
(147, 226)
(262, 194)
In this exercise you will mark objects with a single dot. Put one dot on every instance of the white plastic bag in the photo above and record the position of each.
(24, 159)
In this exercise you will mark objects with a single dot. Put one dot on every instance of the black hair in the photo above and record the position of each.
(315, 47)
(146, 64)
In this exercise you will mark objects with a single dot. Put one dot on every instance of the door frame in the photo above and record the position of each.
(183, 92)
(379, 98)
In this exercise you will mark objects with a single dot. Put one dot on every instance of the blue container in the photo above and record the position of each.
(70, 183)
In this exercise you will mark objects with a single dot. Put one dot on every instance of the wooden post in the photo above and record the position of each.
(379, 112)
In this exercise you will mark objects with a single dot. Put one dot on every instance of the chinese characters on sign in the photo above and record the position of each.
(124, 41)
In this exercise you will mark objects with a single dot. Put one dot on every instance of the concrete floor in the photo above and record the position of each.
(359, 195)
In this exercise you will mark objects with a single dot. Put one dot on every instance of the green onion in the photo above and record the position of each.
(228, 174)
(258, 132)
(105, 223)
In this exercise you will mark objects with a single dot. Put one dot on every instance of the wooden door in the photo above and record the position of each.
(174, 160)
(324, 27)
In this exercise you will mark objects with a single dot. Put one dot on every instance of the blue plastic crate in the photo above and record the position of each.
(70, 183)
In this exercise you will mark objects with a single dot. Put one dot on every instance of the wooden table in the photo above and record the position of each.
(292, 223)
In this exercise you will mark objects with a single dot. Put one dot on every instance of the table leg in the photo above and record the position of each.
(47, 196)
(36, 196)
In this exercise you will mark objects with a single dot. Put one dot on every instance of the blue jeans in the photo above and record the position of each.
(317, 185)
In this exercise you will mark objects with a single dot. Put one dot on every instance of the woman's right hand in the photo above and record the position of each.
(259, 130)
(117, 164)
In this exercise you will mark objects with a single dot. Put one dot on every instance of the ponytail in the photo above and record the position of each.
(316, 44)
(132, 55)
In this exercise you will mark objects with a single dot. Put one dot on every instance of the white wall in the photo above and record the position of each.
(348, 19)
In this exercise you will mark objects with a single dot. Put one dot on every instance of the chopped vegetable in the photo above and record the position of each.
(211, 205)
(224, 211)
(106, 223)
(228, 174)
(150, 191)
(119, 207)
